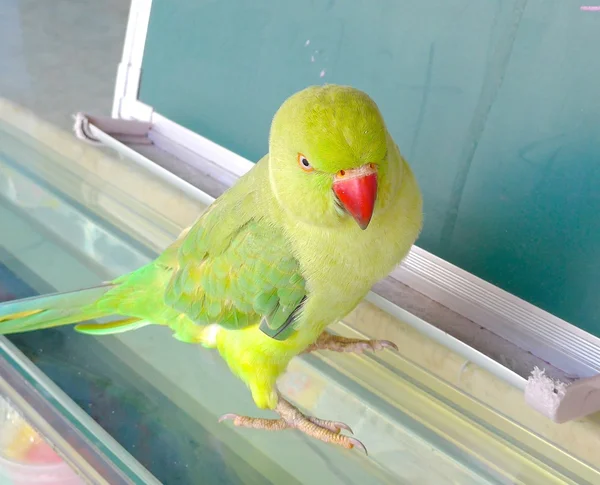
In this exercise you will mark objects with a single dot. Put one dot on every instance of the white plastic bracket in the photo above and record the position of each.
(562, 402)
(129, 132)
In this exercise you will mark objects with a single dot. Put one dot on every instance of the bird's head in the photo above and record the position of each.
(330, 157)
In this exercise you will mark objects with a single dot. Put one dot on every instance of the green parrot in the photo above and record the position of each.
(291, 248)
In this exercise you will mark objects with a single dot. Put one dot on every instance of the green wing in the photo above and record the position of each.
(232, 268)
(237, 277)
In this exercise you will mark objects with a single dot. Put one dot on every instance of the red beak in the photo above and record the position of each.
(357, 190)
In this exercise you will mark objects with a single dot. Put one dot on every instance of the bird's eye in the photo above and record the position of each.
(304, 163)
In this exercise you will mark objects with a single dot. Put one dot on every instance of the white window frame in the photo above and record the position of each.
(563, 345)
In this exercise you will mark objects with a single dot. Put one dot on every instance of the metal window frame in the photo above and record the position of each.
(561, 344)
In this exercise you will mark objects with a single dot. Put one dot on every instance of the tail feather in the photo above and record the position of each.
(52, 310)
(117, 326)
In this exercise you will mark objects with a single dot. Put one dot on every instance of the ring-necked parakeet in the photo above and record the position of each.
(291, 248)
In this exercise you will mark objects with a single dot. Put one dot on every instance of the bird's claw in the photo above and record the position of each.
(358, 444)
(387, 344)
(228, 416)
(335, 426)
(327, 341)
(373, 345)
(341, 426)
(291, 417)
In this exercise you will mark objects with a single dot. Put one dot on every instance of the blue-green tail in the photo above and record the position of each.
(52, 310)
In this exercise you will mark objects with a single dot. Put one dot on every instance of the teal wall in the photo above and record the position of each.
(496, 104)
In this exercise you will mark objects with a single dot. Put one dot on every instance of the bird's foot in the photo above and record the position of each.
(327, 341)
(292, 418)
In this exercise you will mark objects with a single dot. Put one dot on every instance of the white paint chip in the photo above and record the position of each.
(543, 393)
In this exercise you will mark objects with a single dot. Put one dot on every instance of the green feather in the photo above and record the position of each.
(239, 280)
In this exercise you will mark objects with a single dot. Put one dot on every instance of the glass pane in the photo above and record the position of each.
(25, 456)
(74, 217)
